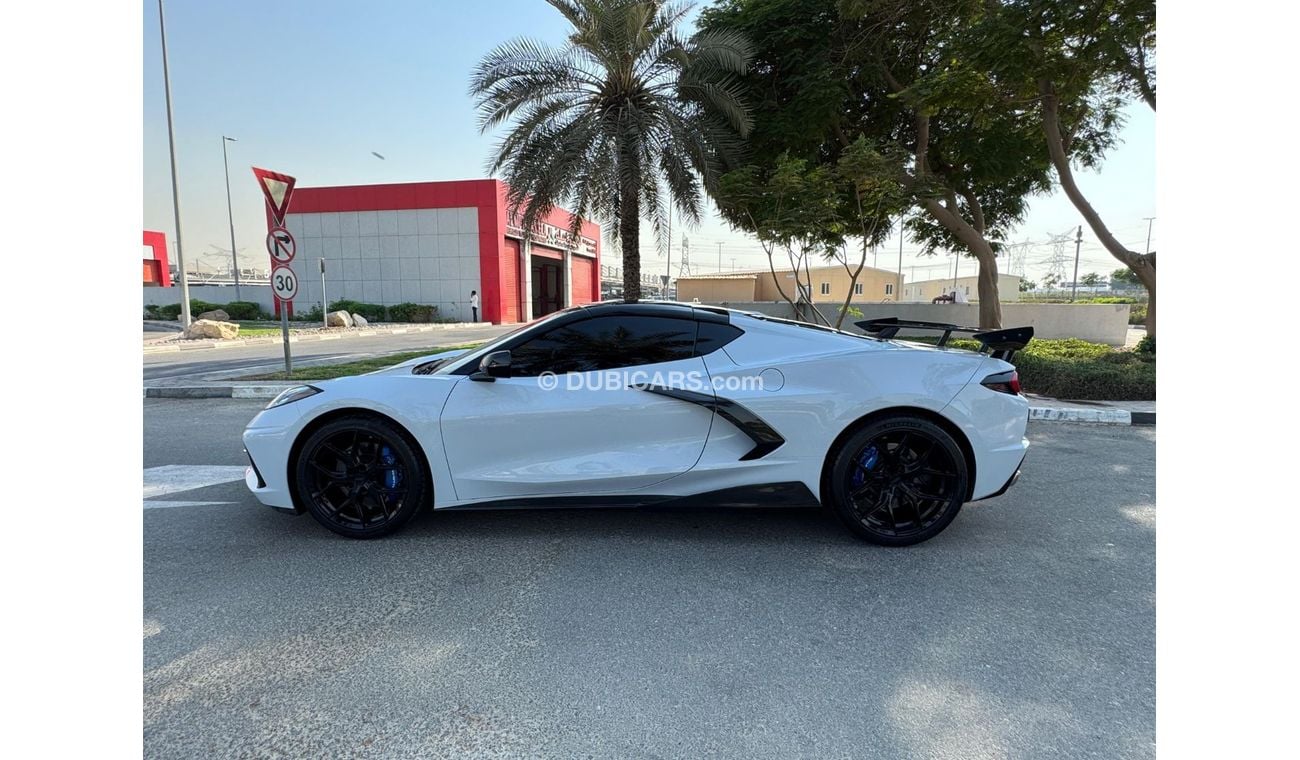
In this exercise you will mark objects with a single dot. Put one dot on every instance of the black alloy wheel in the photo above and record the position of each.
(899, 481)
(360, 477)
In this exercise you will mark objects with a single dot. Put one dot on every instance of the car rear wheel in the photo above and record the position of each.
(360, 477)
(898, 481)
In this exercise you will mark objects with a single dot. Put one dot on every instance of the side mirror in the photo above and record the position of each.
(494, 365)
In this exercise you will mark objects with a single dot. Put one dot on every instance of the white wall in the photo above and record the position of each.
(1097, 323)
(424, 256)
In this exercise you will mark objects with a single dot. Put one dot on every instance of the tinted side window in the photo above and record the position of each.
(713, 336)
(606, 343)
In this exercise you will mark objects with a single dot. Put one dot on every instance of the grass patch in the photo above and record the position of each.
(1077, 369)
(331, 371)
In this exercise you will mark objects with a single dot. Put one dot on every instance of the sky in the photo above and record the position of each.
(312, 88)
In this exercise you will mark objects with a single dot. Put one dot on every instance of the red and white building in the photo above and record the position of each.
(435, 243)
(157, 273)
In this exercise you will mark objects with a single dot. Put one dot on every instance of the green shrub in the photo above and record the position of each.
(1076, 369)
(168, 311)
(373, 312)
(1147, 345)
(311, 315)
(243, 310)
(1137, 315)
(412, 312)
(197, 307)
(1120, 376)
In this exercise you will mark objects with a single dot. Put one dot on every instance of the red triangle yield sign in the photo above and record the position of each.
(278, 189)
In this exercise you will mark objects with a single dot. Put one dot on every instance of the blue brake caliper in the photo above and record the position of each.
(392, 479)
(867, 461)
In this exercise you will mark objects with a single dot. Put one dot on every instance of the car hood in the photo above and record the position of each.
(405, 367)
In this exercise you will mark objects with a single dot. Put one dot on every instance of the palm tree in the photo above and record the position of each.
(627, 110)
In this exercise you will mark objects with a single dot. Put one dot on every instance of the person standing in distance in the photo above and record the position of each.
(473, 303)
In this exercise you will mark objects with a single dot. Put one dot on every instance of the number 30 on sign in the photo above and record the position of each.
(284, 283)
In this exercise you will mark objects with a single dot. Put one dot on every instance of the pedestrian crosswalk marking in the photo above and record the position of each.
(175, 478)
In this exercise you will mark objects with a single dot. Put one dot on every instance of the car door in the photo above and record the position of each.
(571, 421)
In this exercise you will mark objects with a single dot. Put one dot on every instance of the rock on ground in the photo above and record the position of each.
(209, 328)
(359, 321)
(216, 315)
(339, 319)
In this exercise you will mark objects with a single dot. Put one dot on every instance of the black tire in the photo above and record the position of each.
(898, 481)
(360, 476)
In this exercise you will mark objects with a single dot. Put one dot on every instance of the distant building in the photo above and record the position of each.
(157, 271)
(435, 243)
(821, 284)
(925, 291)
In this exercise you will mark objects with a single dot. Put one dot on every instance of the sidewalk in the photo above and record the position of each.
(171, 342)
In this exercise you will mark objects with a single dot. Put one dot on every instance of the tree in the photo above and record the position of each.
(790, 210)
(1079, 63)
(1028, 285)
(806, 212)
(829, 71)
(1091, 280)
(1125, 277)
(627, 111)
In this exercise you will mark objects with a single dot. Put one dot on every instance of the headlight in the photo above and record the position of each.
(290, 395)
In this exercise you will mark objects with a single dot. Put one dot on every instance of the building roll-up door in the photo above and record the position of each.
(584, 278)
(510, 282)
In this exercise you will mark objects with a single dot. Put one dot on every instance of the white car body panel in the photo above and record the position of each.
(512, 437)
(487, 443)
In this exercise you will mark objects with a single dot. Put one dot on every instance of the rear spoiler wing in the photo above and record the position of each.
(1000, 344)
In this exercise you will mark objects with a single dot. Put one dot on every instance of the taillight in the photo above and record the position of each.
(1003, 382)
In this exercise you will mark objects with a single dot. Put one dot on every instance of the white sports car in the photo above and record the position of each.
(618, 405)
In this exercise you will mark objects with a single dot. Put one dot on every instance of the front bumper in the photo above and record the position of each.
(267, 477)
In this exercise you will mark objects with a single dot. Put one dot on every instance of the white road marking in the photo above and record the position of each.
(169, 504)
(175, 478)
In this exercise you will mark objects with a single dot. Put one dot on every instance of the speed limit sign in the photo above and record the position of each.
(284, 283)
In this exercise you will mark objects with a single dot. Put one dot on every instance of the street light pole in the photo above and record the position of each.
(230, 213)
(1150, 220)
(176, 192)
(898, 289)
(1074, 286)
(668, 273)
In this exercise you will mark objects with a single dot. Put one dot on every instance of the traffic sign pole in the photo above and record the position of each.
(278, 190)
(284, 333)
(324, 302)
(284, 284)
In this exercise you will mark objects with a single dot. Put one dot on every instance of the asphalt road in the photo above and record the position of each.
(207, 364)
(1027, 629)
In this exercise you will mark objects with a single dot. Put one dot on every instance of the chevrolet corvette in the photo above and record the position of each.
(642, 404)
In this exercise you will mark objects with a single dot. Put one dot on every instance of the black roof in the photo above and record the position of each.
(673, 309)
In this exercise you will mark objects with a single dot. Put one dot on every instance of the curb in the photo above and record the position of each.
(1091, 416)
(217, 391)
(1036, 413)
(209, 343)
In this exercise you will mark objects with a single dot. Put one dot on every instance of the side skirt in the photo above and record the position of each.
(791, 494)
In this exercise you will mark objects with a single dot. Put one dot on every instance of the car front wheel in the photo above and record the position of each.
(898, 481)
(360, 477)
